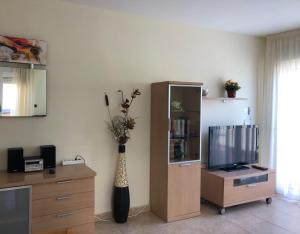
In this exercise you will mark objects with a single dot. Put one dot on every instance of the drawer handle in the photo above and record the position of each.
(185, 164)
(63, 198)
(64, 182)
(251, 185)
(64, 215)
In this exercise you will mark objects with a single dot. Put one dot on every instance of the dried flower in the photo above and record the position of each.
(130, 123)
(125, 105)
(121, 125)
(135, 93)
(106, 100)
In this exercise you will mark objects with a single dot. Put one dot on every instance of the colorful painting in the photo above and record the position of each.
(21, 50)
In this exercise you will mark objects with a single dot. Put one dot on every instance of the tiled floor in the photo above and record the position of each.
(281, 217)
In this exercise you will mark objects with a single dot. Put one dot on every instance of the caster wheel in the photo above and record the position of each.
(221, 211)
(269, 200)
(203, 201)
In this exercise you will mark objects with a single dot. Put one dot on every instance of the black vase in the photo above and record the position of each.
(121, 199)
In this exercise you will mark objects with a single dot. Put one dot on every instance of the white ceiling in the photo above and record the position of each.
(254, 17)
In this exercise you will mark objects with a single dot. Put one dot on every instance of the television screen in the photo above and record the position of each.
(232, 145)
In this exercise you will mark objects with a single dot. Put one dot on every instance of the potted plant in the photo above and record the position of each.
(120, 127)
(231, 87)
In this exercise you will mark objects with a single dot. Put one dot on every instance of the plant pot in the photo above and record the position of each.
(231, 93)
(121, 199)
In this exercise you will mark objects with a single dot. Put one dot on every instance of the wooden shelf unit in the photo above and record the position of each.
(227, 189)
(175, 182)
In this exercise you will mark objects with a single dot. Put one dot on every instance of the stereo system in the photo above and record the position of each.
(16, 162)
(33, 164)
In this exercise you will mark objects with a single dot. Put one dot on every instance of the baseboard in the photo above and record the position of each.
(133, 211)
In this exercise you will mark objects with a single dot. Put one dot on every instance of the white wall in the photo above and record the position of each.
(92, 51)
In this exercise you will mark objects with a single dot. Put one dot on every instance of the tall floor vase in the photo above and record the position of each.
(121, 199)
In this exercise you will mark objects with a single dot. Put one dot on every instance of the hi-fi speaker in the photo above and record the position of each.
(48, 154)
(15, 160)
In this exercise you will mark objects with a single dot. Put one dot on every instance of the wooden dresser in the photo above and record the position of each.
(62, 203)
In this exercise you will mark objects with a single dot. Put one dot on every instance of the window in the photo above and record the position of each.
(9, 98)
(288, 130)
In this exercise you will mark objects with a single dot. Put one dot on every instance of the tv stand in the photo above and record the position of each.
(232, 188)
(235, 168)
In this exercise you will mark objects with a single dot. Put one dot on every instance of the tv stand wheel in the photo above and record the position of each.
(269, 200)
(203, 201)
(221, 211)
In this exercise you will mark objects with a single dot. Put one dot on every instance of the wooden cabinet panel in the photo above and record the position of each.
(159, 150)
(64, 203)
(82, 229)
(212, 188)
(183, 189)
(57, 231)
(61, 188)
(52, 223)
(239, 194)
(86, 229)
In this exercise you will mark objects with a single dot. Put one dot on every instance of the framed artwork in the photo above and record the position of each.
(22, 50)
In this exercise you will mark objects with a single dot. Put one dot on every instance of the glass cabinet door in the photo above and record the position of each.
(185, 123)
(15, 210)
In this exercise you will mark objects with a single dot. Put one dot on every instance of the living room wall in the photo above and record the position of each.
(92, 51)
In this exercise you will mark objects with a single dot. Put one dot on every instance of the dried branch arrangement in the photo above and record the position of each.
(121, 125)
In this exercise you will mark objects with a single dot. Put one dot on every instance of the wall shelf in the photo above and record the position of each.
(223, 99)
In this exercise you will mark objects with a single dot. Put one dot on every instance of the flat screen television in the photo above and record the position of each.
(231, 147)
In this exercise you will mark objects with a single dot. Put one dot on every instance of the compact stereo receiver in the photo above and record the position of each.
(33, 164)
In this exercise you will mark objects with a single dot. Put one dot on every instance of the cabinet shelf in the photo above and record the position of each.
(224, 99)
(184, 137)
(183, 162)
(185, 111)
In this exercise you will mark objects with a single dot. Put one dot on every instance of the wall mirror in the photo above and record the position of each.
(22, 92)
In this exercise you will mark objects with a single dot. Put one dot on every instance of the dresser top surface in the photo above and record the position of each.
(31, 178)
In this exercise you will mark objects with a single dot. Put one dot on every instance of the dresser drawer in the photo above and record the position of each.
(62, 188)
(64, 220)
(82, 229)
(85, 228)
(63, 203)
(253, 191)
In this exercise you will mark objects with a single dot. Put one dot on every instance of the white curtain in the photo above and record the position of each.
(280, 116)
(23, 79)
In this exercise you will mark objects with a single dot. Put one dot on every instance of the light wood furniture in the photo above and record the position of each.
(175, 167)
(227, 189)
(62, 203)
